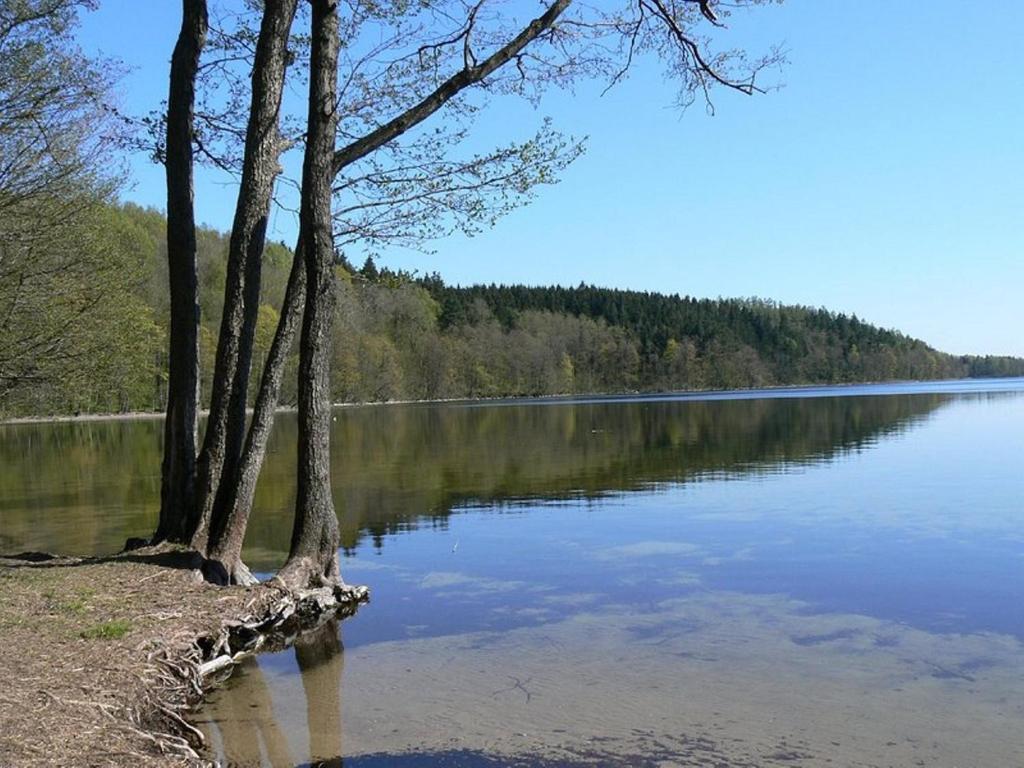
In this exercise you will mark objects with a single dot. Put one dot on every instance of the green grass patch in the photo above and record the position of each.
(108, 630)
(77, 606)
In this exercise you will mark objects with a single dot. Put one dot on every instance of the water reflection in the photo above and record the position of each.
(760, 582)
(248, 727)
(715, 678)
(321, 664)
(82, 488)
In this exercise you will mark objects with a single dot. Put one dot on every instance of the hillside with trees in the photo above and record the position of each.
(682, 342)
(405, 337)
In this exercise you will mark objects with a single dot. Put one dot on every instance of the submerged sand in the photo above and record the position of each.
(714, 678)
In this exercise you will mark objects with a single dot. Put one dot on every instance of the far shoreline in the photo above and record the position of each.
(741, 393)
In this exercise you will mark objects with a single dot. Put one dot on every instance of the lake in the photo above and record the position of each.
(802, 577)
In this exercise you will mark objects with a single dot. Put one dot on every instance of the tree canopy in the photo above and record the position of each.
(57, 168)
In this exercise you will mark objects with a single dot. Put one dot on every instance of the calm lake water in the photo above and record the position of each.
(814, 577)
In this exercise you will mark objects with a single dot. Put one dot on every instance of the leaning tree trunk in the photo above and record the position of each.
(227, 531)
(313, 559)
(177, 482)
(222, 445)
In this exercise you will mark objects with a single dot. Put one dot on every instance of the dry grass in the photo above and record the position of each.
(97, 658)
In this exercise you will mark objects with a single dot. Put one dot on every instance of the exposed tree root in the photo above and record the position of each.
(305, 573)
(278, 616)
(223, 574)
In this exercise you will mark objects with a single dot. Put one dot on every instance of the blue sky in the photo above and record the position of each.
(885, 179)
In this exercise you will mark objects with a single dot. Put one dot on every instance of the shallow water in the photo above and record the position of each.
(828, 576)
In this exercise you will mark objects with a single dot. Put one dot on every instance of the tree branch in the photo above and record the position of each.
(448, 89)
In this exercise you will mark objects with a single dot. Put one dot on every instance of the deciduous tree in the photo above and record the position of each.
(395, 177)
(57, 138)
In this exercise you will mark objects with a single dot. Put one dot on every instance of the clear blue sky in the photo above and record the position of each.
(886, 178)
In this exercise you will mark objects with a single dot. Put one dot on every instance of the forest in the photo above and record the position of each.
(101, 307)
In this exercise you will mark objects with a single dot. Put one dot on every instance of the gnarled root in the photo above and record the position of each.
(304, 572)
(280, 615)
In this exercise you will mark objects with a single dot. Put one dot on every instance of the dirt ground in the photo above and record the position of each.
(97, 658)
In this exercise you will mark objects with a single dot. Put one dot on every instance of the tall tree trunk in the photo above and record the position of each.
(222, 445)
(177, 481)
(313, 559)
(227, 531)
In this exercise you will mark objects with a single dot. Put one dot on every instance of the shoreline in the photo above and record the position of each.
(104, 659)
(696, 394)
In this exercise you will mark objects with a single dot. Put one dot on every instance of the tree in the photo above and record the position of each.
(313, 558)
(181, 427)
(225, 549)
(394, 181)
(369, 269)
(56, 133)
(56, 142)
(76, 333)
(195, 500)
(225, 431)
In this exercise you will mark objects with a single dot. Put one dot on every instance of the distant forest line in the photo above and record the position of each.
(405, 337)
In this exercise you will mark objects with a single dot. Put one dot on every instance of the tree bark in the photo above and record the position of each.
(222, 445)
(177, 482)
(449, 89)
(313, 559)
(227, 532)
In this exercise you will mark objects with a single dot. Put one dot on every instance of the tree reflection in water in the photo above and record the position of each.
(84, 488)
(321, 661)
(249, 733)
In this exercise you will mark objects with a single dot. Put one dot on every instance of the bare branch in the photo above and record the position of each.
(447, 90)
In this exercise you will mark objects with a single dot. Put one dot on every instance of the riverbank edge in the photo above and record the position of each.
(104, 659)
(556, 397)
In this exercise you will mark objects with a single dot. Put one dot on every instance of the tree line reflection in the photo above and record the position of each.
(84, 487)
